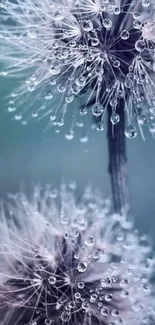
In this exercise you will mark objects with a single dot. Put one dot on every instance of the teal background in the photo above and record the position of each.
(29, 154)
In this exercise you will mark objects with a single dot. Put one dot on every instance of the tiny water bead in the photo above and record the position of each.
(52, 279)
(81, 56)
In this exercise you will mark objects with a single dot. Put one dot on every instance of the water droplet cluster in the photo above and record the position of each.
(103, 51)
(71, 263)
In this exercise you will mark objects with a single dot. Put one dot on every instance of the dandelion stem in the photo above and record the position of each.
(118, 161)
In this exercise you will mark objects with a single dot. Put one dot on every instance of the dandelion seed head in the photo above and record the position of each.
(64, 260)
(96, 53)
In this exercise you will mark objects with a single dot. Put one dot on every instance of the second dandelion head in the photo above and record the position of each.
(65, 260)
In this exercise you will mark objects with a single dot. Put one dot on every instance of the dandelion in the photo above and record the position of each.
(83, 55)
(64, 260)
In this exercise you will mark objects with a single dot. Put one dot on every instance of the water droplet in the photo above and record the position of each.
(53, 117)
(115, 312)
(106, 282)
(96, 255)
(69, 135)
(72, 304)
(18, 117)
(136, 15)
(87, 25)
(140, 45)
(90, 241)
(143, 119)
(107, 23)
(104, 311)
(137, 24)
(82, 267)
(94, 41)
(81, 285)
(116, 64)
(81, 81)
(77, 295)
(85, 305)
(115, 118)
(146, 3)
(54, 70)
(65, 316)
(61, 88)
(52, 280)
(108, 297)
(32, 33)
(83, 111)
(93, 297)
(97, 109)
(84, 139)
(125, 34)
(48, 321)
(100, 126)
(34, 114)
(117, 10)
(130, 132)
(11, 109)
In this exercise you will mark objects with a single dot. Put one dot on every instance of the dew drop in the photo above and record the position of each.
(146, 3)
(143, 119)
(48, 321)
(18, 117)
(65, 316)
(69, 135)
(106, 282)
(82, 267)
(104, 311)
(81, 285)
(77, 295)
(130, 132)
(84, 139)
(137, 24)
(11, 109)
(115, 118)
(140, 45)
(100, 126)
(90, 241)
(97, 110)
(107, 23)
(87, 26)
(52, 279)
(125, 34)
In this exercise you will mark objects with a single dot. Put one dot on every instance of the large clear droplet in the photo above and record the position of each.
(130, 132)
(115, 118)
(97, 109)
(146, 3)
(140, 45)
(125, 34)
(82, 267)
(87, 25)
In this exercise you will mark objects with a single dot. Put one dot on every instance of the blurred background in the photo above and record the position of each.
(29, 155)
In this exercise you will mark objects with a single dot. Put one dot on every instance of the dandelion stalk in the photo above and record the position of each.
(118, 161)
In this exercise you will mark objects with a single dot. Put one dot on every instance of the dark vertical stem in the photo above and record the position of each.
(118, 160)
